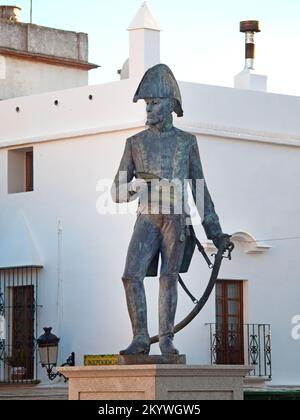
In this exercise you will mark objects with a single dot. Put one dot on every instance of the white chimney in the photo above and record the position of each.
(249, 78)
(144, 42)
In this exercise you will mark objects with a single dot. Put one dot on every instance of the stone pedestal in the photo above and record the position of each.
(143, 359)
(156, 382)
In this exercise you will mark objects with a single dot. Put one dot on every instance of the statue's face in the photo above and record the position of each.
(158, 109)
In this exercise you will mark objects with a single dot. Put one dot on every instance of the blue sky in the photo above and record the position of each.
(200, 39)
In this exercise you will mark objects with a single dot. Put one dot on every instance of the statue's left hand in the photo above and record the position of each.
(218, 240)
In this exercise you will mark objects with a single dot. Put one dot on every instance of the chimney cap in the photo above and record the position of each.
(249, 26)
(10, 13)
(144, 19)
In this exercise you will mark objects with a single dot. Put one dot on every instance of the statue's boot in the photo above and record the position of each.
(137, 309)
(167, 309)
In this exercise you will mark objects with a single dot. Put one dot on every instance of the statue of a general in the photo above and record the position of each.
(156, 167)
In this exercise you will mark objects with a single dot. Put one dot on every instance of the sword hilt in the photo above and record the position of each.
(227, 246)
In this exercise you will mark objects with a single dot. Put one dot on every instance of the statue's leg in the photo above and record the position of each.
(137, 309)
(167, 310)
(172, 249)
(142, 248)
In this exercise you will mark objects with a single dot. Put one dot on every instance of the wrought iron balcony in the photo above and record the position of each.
(18, 324)
(248, 344)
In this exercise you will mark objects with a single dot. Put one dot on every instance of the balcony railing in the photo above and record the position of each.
(249, 344)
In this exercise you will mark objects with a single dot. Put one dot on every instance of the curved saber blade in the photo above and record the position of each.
(226, 245)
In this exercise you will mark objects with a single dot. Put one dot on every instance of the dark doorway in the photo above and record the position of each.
(23, 330)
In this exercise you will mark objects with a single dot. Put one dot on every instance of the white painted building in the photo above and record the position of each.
(250, 147)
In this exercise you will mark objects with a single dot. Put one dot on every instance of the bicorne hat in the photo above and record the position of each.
(159, 82)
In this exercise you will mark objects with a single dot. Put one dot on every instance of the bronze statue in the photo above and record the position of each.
(164, 154)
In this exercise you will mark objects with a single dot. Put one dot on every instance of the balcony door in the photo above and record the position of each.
(18, 324)
(229, 323)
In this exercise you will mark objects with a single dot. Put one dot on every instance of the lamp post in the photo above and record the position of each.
(48, 351)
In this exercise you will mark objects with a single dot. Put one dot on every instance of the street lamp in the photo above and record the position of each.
(48, 351)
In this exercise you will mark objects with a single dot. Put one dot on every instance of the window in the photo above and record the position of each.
(20, 170)
(29, 171)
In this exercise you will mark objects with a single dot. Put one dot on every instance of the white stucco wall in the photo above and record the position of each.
(19, 77)
(249, 142)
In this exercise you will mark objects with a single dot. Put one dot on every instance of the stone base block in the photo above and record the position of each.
(156, 382)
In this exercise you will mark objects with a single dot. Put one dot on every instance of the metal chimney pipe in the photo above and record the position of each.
(10, 14)
(250, 28)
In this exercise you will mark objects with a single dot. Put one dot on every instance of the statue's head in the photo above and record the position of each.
(158, 109)
(160, 90)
